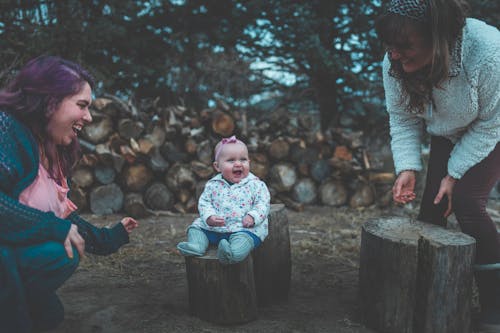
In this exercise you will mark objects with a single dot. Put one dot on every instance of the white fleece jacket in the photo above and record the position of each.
(467, 107)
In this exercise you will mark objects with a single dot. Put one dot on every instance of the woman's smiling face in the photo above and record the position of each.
(413, 55)
(70, 116)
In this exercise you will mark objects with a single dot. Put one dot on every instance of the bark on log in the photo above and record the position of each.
(272, 260)
(415, 277)
(223, 294)
(106, 199)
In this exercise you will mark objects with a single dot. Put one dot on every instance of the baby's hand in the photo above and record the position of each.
(216, 221)
(248, 221)
(129, 224)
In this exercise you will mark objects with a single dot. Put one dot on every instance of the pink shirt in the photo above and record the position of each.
(47, 195)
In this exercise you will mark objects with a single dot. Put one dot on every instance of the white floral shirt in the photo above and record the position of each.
(234, 201)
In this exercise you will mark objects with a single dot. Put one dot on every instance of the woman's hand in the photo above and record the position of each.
(216, 221)
(248, 221)
(74, 238)
(129, 224)
(403, 190)
(446, 188)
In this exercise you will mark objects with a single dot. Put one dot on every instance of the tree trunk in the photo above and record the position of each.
(415, 277)
(223, 294)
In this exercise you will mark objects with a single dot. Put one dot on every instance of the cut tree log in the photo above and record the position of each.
(134, 206)
(222, 294)
(204, 152)
(259, 165)
(272, 260)
(304, 191)
(283, 177)
(159, 197)
(130, 129)
(82, 177)
(202, 170)
(180, 176)
(415, 277)
(137, 177)
(99, 130)
(363, 196)
(320, 170)
(104, 174)
(279, 149)
(333, 193)
(156, 161)
(106, 199)
(222, 123)
(79, 198)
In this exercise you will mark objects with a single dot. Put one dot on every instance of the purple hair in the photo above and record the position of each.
(36, 92)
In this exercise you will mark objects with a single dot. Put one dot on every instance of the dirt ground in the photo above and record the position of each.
(143, 287)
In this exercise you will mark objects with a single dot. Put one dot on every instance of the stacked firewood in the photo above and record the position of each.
(141, 158)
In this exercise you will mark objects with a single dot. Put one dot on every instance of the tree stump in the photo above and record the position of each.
(272, 262)
(415, 277)
(222, 294)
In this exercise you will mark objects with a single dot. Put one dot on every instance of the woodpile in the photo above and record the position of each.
(143, 157)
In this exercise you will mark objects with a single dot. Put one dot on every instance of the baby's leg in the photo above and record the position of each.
(236, 249)
(197, 243)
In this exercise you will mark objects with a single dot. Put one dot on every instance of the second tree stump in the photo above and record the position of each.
(415, 277)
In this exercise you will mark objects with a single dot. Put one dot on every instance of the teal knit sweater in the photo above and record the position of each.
(23, 225)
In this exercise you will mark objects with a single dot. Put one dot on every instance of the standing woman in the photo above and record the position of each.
(442, 74)
(41, 237)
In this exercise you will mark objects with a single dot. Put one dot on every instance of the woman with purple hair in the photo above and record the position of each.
(442, 74)
(42, 110)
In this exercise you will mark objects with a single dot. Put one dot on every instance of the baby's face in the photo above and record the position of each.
(233, 162)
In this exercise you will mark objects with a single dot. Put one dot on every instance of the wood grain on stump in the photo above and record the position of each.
(415, 277)
(272, 260)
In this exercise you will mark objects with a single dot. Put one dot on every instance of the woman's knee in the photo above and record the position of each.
(46, 266)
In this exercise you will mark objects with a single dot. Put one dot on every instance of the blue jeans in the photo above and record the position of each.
(216, 237)
(29, 276)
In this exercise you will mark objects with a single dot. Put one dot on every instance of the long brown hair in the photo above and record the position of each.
(35, 92)
(440, 28)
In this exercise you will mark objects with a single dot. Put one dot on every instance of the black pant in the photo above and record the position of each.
(470, 196)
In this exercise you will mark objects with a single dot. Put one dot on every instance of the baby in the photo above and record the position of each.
(233, 207)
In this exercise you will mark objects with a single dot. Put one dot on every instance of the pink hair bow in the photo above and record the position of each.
(222, 142)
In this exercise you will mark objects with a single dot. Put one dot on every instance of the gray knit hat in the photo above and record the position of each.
(414, 9)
